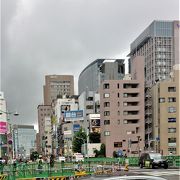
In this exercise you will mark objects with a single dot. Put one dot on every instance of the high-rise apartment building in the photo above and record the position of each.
(99, 70)
(159, 44)
(165, 95)
(122, 113)
(57, 85)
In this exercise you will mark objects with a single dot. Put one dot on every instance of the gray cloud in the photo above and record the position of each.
(42, 37)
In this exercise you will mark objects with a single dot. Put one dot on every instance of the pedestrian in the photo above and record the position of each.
(52, 161)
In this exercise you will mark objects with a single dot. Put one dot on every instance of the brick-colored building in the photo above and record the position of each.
(122, 112)
(57, 85)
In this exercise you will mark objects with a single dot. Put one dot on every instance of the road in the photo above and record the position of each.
(168, 174)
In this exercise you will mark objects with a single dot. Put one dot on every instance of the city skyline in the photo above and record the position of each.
(35, 44)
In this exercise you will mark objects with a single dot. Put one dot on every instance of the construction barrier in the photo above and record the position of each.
(3, 176)
(30, 171)
(57, 178)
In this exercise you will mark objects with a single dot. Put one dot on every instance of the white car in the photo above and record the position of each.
(61, 159)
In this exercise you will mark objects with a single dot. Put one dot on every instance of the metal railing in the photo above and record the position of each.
(67, 169)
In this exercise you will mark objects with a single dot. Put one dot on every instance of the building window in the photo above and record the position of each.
(130, 132)
(106, 122)
(171, 89)
(125, 113)
(171, 130)
(106, 95)
(171, 120)
(125, 95)
(118, 121)
(117, 144)
(118, 85)
(118, 113)
(171, 109)
(172, 150)
(118, 103)
(118, 95)
(106, 86)
(125, 104)
(106, 133)
(125, 121)
(89, 107)
(106, 104)
(171, 140)
(171, 99)
(161, 100)
(90, 99)
(106, 113)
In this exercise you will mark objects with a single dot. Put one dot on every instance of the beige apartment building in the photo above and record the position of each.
(57, 85)
(122, 112)
(165, 95)
(44, 113)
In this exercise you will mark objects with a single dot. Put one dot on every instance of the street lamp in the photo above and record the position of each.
(9, 131)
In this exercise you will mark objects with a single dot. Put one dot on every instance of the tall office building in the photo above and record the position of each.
(99, 70)
(159, 44)
(57, 85)
(122, 113)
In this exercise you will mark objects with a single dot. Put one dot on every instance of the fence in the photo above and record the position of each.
(67, 169)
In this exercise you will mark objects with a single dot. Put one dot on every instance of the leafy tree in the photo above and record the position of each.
(78, 139)
(115, 155)
(101, 152)
(34, 155)
(94, 137)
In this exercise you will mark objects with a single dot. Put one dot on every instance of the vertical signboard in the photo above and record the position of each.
(3, 127)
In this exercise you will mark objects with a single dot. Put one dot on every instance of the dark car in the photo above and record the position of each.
(152, 160)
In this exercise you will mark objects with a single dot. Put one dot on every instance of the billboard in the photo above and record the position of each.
(76, 127)
(3, 127)
(68, 132)
(65, 108)
(73, 115)
(95, 122)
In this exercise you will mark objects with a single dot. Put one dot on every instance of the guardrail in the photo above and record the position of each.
(67, 169)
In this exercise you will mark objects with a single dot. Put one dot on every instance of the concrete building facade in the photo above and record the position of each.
(165, 95)
(159, 44)
(57, 85)
(44, 112)
(99, 70)
(122, 113)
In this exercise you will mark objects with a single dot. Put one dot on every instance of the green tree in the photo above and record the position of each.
(94, 137)
(115, 155)
(34, 155)
(79, 139)
(101, 152)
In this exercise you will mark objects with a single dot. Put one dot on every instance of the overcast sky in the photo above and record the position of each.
(40, 37)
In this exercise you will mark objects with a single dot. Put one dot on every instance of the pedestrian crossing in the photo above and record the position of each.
(161, 173)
